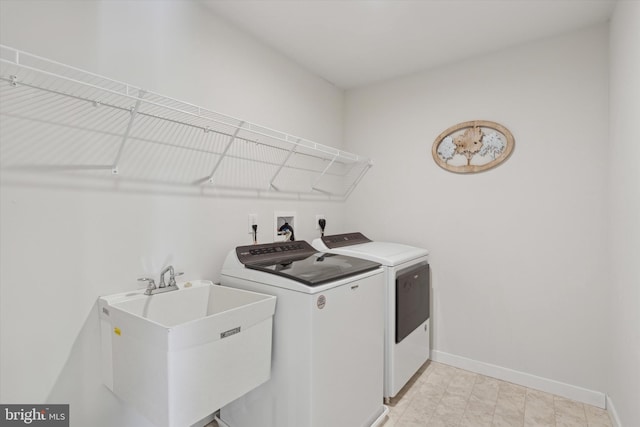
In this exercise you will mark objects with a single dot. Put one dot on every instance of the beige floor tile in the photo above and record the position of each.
(538, 418)
(512, 392)
(443, 422)
(507, 420)
(469, 420)
(433, 390)
(543, 422)
(419, 410)
(568, 420)
(539, 409)
(462, 384)
(570, 407)
(539, 399)
(476, 405)
(428, 398)
(478, 413)
(439, 377)
(511, 398)
(509, 407)
(452, 404)
(449, 411)
(569, 413)
(597, 417)
(486, 389)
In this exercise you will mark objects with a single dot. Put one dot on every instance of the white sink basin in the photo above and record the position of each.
(181, 355)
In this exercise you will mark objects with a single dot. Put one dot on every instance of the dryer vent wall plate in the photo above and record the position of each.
(281, 218)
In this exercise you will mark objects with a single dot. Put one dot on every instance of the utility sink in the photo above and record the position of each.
(179, 356)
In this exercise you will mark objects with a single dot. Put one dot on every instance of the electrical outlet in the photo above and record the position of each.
(253, 220)
(318, 218)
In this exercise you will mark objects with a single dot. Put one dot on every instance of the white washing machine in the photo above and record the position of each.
(328, 338)
(407, 310)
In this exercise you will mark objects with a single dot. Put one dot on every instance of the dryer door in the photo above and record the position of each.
(412, 299)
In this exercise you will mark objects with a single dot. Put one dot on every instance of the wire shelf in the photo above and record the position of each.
(58, 118)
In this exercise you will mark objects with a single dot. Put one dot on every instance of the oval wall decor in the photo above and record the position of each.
(473, 146)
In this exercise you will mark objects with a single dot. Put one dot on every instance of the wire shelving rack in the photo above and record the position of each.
(58, 118)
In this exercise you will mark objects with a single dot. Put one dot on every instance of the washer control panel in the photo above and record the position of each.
(273, 251)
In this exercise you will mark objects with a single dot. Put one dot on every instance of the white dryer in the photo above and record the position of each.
(327, 338)
(407, 288)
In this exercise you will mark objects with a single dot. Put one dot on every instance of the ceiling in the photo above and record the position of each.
(353, 43)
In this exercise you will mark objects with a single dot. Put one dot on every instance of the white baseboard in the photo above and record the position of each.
(569, 391)
(613, 414)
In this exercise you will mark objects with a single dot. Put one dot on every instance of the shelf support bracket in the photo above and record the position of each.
(134, 113)
(357, 180)
(275, 175)
(315, 183)
(224, 153)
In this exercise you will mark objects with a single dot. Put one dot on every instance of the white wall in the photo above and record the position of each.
(517, 251)
(623, 363)
(63, 246)
(520, 278)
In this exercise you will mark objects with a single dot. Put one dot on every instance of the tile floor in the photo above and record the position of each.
(441, 395)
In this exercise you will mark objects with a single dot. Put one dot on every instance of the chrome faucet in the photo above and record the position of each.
(171, 276)
(162, 287)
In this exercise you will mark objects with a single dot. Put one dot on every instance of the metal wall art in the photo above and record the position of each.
(473, 146)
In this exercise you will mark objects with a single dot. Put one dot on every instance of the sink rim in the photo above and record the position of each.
(115, 302)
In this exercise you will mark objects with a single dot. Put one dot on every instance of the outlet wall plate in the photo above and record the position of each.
(279, 218)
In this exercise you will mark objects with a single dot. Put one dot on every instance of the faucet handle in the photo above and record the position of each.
(150, 285)
(172, 278)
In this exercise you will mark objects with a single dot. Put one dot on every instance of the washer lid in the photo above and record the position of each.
(317, 269)
(301, 262)
(385, 253)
